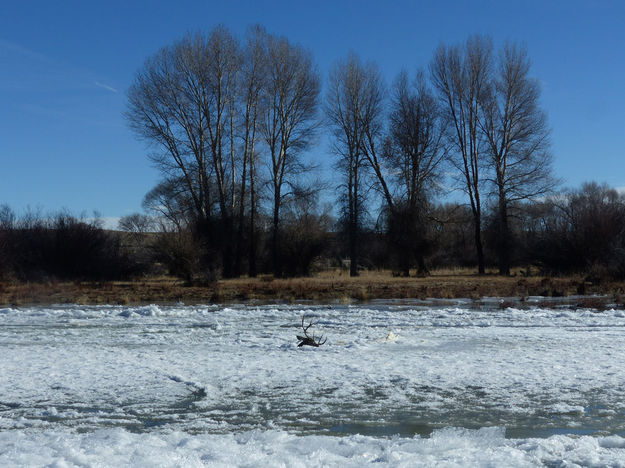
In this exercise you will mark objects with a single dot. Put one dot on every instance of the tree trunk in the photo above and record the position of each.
(241, 222)
(405, 269)
(504, 238)
(252, 271)
(353, 216)
(228, 248)
(478, 246)
(353, 248)
(275, 240)
(422, 269)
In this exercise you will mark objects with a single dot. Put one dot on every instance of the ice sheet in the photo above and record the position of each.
(552, 378)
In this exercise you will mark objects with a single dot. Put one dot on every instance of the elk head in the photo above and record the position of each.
(307, 340)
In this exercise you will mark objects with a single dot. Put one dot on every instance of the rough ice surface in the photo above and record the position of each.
(394, 384)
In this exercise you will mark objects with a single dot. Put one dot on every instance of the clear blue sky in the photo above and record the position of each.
(65, 67)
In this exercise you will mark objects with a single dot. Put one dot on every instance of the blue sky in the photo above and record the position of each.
(65, 67)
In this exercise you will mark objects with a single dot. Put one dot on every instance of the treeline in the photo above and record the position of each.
(233, 125)
(579, 231)
(59, 246)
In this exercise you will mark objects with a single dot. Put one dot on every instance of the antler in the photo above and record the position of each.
(307, 340)
(306, 328)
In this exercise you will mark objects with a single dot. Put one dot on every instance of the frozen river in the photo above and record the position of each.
(394, 384)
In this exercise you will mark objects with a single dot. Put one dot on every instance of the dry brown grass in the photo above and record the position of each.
(329, 286)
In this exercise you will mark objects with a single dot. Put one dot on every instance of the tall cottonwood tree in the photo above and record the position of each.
(414, 153)
(162, 111)
(289, 122)
(253, 83)
(221, 67)
(403, 160)
(461, 75)
(204, 104)
(182, 103)
(354, 109)
(517, 137)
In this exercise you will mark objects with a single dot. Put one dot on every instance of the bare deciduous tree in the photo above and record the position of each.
(580, 230)
(169, 203)
(354, 108)
(137, 223)
(220, 86)
(7, 217)
(414, 152)
(517, 139)
(162, 111)
(182, 103)
(289, 121)
(252, 86)
(461, 75)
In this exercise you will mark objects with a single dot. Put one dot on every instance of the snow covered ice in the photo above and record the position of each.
(395, 384)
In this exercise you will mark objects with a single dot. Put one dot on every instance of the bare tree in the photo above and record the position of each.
(305, 233)
(517, 139)
(416, 148)
(182, 103)
(354, 106)
(253, 82)
(414, 152)
(158, 113)
(404, 161)
(7, 225)
(166, 108)
(7, 217)
(580, 230)
(221, 74)
(136, 223)
(461, 75)
(289, 121)
(170, 204)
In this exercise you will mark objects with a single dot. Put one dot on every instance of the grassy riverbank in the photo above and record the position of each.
(334, 286)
